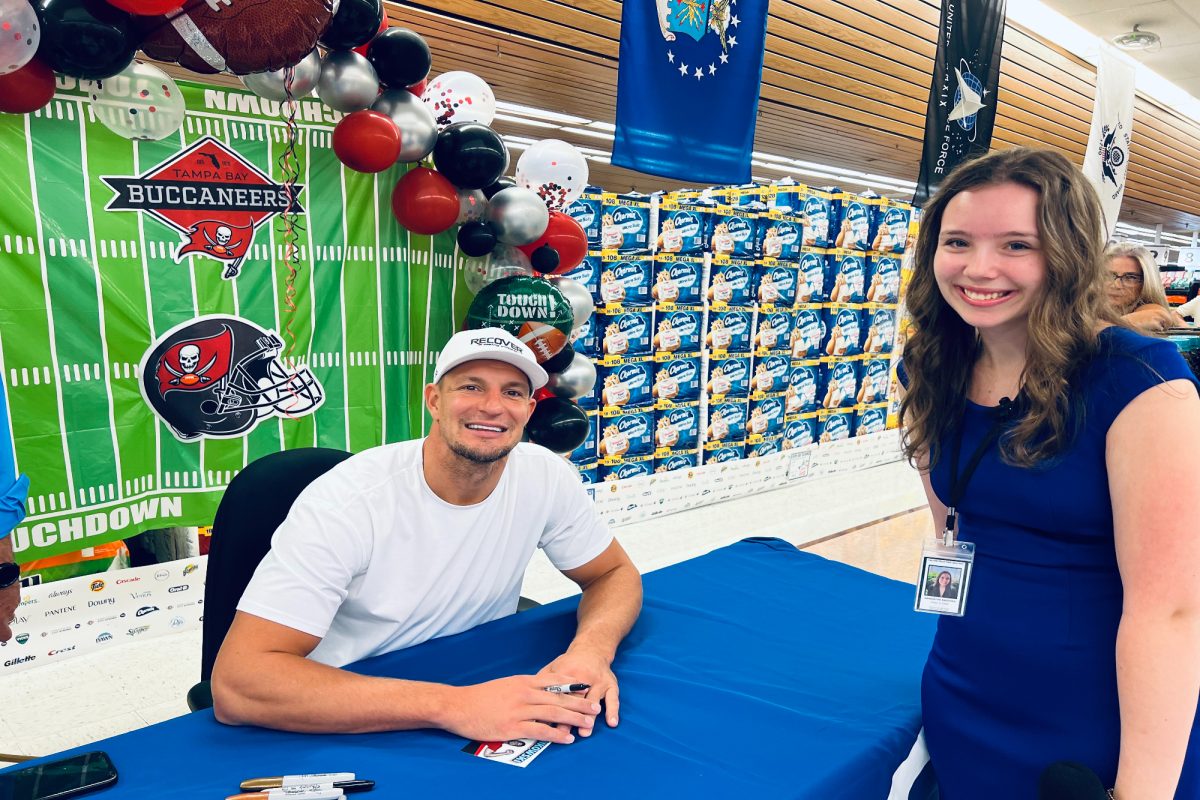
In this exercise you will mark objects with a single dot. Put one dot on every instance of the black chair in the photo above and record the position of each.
(255, 503)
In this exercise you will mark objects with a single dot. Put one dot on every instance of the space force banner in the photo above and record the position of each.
(156, 334)
(962, 96)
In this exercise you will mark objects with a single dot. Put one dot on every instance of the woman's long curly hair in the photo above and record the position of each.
(1064, 318)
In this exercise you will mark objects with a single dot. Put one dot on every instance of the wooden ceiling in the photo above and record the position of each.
(841, 86)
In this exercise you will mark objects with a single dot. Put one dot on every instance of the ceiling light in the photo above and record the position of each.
(540, 113)
(536, 123)
(586, 132)
(1138, 40)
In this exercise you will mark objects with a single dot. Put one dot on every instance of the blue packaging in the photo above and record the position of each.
(843, 330)
(625, 385)
(770, 375)
(625, 333)
(677, 379)
(638, 467)
(679, 330)
(812, 279)
(735, 232)
(870, 420)
(891, 228)
(881, 330)
(728, 377)
(781, 236)
(818, 208)
(586, 338)
(630, 433)
(808, 332)
(768, 446)
(588, 473)
(766, 418)
(775, 285)
(774, 332)
(801, 432)
(784, 194)
(729, 330)
(858, 220)
(726, 421)
(884, 274)
(730, 283)
(677, 428)
(683, 227)
(837, 206)
(873, 380)
(586, 211)
(803, 392)
(835, 426)
(678, 280)
(626, 281)
(675, 461)
(725, 453)
(586, 452)
(588, 275)
(840, 379)
(849, 277)
(625, 222)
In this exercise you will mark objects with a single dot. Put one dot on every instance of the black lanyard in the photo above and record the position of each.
(958, 483)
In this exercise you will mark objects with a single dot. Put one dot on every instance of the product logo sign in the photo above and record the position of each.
(789, 232)
(687, 223)
(815, 209)
(182, 588)
(632, 325)
(97, 586)
(852, 266)
(211, 196)
(675, 462)
(634, 426)
(895, 217)
(104, 637)
(144, 610)
(138, 630)
(634, 376)
(838, 426)
(684, 370)
(740, 228)
(771, 408)
(583, 212)
(727, 454)
(629, 220)
(633, 469)
(701, 36)
(872, 420)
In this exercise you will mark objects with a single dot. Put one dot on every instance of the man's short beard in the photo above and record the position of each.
(476, 457)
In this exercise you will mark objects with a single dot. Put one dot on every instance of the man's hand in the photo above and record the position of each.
(10, 598)
(595, 670)
(520, 708)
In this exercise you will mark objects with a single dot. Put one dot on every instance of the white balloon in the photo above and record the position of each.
(20, 35)
(472, 206)
(139, 102)
(555, 170)
(460, 97)
(503, 262)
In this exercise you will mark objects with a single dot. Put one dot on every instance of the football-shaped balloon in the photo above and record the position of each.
(424, 202)
(561, 361)
(528, 308)
(557, 424)
(238, 36)
(146, 7)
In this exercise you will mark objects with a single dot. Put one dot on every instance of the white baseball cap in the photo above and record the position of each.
(490, 344)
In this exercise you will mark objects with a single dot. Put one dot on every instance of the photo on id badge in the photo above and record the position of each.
(943, 586)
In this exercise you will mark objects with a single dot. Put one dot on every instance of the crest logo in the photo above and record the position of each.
(211, 196)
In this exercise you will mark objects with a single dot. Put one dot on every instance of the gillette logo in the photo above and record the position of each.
(12, 662)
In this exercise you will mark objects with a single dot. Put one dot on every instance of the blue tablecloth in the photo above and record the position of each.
(756, 670)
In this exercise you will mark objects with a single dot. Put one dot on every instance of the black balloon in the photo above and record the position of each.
(545, 259)
(476, 239)
(469, 154)
(355, 22)
(400, 57)
(500, 184)
(557, 424)
(86, 38)
(560, 361)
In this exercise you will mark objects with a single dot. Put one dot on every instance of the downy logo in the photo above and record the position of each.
(107, 601)
(144, 610)
(97, 586)
(104, 637)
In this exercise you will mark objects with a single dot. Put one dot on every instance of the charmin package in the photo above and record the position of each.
(808, 332)
(625, 333)
(800, 432)
(785, 195)
(586, 211)
(766, 418)
(812, 278)
(677, 379)
(728, 376)
(870, 420)
(843, 330)
(891, 233)
(634, 467)
(730, 283)
(834, 425)
(678, 330)
(774, 332)
(735, 232)
(683, 226)
(881, 330)
(767, 446)
(858, 218)
(675, 461)
(588, 472)
(630, 433)
(803, 393)
(770, 375)
(818, 222)
(849, 284)
(726, 421)
(775, 285)
(840, 381)
(627, 384)
(625, 222)
(780, 235)
(678, 280)
(884, 277)
(626, 281)
(586, 452)
(873, 380)
(586, 338)
(588, 275)
(728, 331)
(676, 428)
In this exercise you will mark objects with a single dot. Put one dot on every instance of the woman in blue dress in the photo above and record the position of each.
(1081, 635)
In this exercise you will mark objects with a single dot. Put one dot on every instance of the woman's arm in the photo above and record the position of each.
(1153, 444)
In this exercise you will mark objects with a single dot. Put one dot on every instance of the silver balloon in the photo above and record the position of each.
(270, 85)
(418, 129)
(518, 215)
(348, 81)
(503, 262)
(472, 206)
(577, 295)
(576, 381)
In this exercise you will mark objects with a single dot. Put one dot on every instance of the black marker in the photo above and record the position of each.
(568, 688)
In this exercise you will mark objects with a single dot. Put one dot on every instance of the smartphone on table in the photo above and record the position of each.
(55, 780)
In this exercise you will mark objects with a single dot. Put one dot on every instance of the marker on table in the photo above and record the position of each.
(337, 780)
(320, 791)
(568, 688)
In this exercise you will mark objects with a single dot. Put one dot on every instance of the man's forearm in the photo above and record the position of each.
(6, 549)
(607, 611)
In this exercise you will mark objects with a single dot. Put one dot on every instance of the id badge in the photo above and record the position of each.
(945, 577)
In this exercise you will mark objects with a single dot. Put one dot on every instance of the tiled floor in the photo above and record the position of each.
(95, 696)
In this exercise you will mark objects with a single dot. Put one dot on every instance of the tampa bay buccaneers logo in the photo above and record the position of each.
(218, 376)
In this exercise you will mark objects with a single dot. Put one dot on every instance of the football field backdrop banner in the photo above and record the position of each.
(91, 232)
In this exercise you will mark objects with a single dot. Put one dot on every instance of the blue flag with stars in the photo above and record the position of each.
(687, 87)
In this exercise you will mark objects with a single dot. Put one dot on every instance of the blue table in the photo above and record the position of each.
(756, 671)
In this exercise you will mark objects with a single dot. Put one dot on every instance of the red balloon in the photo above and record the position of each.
(366, 141)
(26, 89)
(419, 88)
(146, 8)
(567, 237)
(425, 202)
(543, 393)
(383, 26)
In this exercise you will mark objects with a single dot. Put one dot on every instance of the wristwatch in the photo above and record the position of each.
(10, 573)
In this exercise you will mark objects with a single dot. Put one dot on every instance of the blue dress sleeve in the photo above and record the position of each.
(14, 489)
(902, 374)
(1128, 365)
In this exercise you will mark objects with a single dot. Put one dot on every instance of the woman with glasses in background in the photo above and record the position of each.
(1136, 289)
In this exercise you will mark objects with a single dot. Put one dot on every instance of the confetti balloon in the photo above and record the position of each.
(479, 272)
(271, 85)
(472, 206)
(555, 170)
(140, 102)
(460, 97)
(19, 34)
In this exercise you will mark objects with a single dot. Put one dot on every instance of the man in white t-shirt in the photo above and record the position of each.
(411, 541)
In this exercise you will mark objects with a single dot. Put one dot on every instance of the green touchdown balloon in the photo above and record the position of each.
(532, 309)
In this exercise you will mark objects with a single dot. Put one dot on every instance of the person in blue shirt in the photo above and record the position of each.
(14, 491)
(1081, 634)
